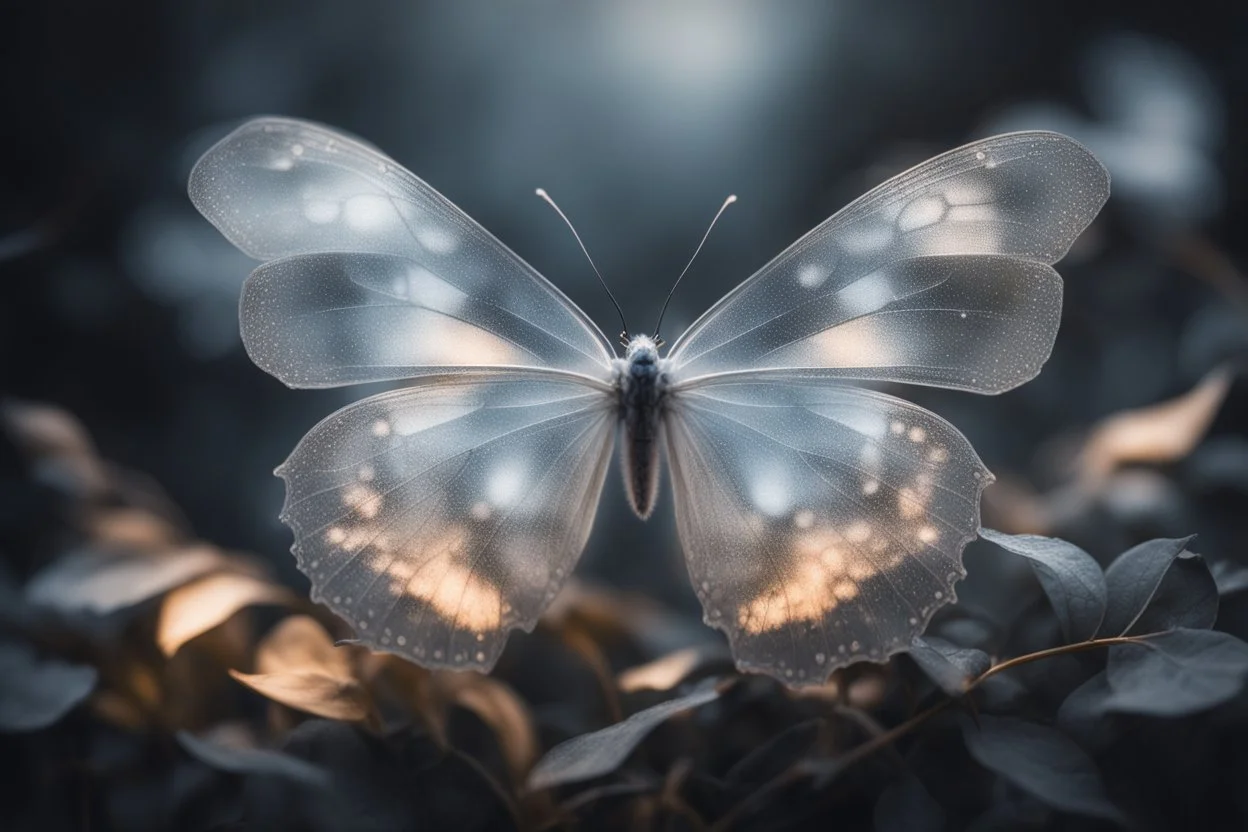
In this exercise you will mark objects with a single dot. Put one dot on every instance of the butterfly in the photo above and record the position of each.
(822, 521)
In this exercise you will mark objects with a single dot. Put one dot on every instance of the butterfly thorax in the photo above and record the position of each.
(641, 379)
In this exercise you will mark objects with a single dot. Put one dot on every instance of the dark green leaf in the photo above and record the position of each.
(949, 666)
(253, 761)
(1041, 761)
(1187, 597)
(905, 806)
(1176, 673)
(1133, 579)
(601, 752)
(1071, 578)
(36, 693)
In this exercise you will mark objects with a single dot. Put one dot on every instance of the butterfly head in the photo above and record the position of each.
(642, 349)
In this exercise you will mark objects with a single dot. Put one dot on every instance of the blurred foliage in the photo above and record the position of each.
(152, 681)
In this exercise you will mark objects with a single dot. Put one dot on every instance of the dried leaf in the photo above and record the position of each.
(197, 607)
(664, 673)
(1071, 578)
(36, 693)
(244, 760)
(601, 752)
(499, 707)
(315, 693)
(1162, 432)
(131, 528)
(301, 668)
(299, 644)
(101, 582)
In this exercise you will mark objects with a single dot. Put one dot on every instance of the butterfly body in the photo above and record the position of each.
(641, 380)
(822, 522)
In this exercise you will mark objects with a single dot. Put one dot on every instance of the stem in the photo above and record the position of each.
(887, 738)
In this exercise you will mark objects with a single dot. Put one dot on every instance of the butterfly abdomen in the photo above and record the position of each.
(642, 385)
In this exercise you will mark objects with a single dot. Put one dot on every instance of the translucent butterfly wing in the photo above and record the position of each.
(375, 275)
(939, 276)
(822, 524)
(435, 518)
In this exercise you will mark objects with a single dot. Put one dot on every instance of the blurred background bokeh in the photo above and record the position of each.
(120, 302)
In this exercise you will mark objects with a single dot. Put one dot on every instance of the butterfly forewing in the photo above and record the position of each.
(938, 276)
(436, 518)
(296, 193)
(822, 524)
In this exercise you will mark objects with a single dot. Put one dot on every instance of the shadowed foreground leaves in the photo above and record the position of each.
(182, 687)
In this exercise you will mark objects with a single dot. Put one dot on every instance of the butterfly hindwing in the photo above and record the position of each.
(436, 518)
(822, 523)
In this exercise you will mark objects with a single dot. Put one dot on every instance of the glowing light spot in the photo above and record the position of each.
(928, 534)
(917, 434)
(505, 484)
(820, 658)
(283, 163)
(481, 510)
(858, 531)
(368, 212)
(898, 427)
(335, 535)
(381, 428)
(296, 149)
(437, 240)
(938, 454)
(770, 493)
(870, 487)
(363, 500)
(321, 211)
(812, 276)
(480, 655)
(855, 646)
(922, 212)
(980, 155)
(804, 519)
(401, 641)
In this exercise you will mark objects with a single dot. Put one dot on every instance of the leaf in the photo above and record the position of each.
(1084, 708)
(1133, 579)
(61, 451)
(102, 582)
(905, 806)
(1041, 761)
(1163, 432)
(1176, 673)
(1187, 597)
(314, 693)
(949, 666)
(668, 671)
(1229, 577)
(601, 752)
(197, 607)
(36, 693)
(242, 760)
(1071, 578)
(499, 707)
(300, 667)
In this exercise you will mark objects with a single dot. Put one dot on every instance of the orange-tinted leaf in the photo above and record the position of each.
(1159, 433)
(299, 644)
(499, 707)
(197, 607)
(664, 673)
(315, 693)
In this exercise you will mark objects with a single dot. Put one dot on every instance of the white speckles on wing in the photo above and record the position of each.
(460, 519)
(939, 276)
(339, 223)
(868, 541)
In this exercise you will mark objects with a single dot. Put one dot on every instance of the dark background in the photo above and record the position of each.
(119, 302)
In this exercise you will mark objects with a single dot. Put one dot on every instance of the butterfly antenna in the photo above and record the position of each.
(542, 193)
(731, 199)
